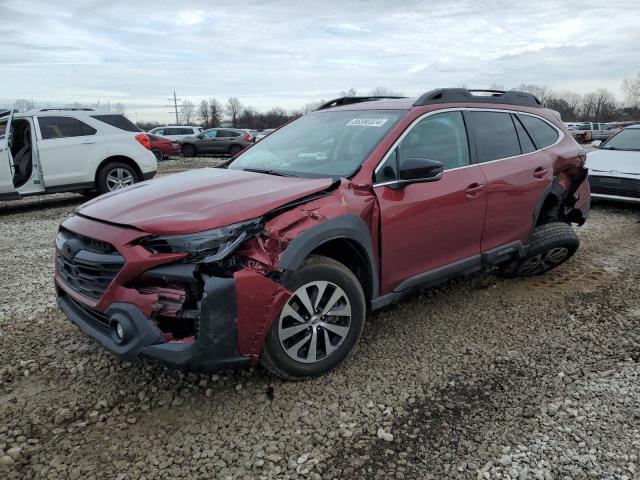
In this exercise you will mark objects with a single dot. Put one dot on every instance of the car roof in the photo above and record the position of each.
(175, 126)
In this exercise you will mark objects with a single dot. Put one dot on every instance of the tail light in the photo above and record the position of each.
(144, 140)
(247, 136)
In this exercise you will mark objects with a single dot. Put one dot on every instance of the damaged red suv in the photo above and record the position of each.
(276, 256)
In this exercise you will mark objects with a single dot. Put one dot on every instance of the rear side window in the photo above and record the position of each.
(228, 133)
(118, 121)
(63, 127)
(495, 135)
(542, 133)
(526, 145)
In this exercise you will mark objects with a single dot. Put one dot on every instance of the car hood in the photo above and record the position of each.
(618, 160)
(199, 200)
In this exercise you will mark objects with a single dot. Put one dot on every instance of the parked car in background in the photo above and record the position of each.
(230, 141)
(589, 131)
(264, 133)
(614, 168)
(51, 150)
(277, 256)
(163, 147)
(176, 132)
(573, 125)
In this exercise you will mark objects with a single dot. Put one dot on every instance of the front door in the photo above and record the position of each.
(209, 143)
(7, 190)
(429, 225)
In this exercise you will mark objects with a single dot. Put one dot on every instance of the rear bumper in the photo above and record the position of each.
(214, 348)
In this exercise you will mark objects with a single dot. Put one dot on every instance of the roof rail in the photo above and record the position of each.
(454, 95)
(337, 102)
(69, 109)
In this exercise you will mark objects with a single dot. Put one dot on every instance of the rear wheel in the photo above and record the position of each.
(551, 245)
(158, 153)
(320, 323)
(116, 175)
(234, 150)
(188, 151)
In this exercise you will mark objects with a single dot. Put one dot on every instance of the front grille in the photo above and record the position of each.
(97, 319)
(622, 187)
(86, 265)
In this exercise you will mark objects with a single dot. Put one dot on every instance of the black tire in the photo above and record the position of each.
(102, 185)
(551, 245)
(234, 150)
(158, 153)
(189, 151)
(316, 268)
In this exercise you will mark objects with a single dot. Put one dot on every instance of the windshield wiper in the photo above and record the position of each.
(268, 172)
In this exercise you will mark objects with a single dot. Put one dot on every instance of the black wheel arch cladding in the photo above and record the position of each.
(348, 227)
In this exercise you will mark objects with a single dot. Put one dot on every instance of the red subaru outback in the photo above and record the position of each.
(276, 256)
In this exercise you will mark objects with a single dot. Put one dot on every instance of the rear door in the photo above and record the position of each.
(65, 144)
(429, 225)
(508, 148)
(6, 162)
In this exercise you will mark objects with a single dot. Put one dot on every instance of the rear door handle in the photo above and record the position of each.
(540, 172)
(88, 142)
(474, 189)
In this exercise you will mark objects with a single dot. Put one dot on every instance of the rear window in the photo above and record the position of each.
(542, 133)
(63, 127)
(118, 121)
(495, 135)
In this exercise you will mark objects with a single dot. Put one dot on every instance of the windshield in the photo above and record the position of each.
(627, 139)
(320, 144)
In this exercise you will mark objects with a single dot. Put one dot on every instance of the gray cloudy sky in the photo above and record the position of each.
(288, 53)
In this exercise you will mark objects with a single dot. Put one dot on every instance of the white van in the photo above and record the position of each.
(70, 150)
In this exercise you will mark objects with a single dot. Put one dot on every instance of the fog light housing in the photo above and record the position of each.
(118, 332)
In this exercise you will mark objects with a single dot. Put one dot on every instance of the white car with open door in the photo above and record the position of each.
(70, 150)
(614, 168)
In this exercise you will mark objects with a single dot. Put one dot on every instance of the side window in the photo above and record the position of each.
(185, 131)
(227, 133)
(118, 121)
(157, 131)
(441, 137)
(526, 145)
(63, 127)
(210, 133)
(495, 135)
(542, 133)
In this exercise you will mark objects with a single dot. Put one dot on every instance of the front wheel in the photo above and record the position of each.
(116, 175)
(551, 245)
(188, 151)
(320, 323)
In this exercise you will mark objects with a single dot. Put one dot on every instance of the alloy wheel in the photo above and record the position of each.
(119, 178)
(543, 261)
(314, 322)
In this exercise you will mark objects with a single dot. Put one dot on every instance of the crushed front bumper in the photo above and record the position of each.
(214, 348)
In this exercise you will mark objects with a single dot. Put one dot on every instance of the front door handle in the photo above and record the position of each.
(88, 142)
(540, 172)
(474, 189)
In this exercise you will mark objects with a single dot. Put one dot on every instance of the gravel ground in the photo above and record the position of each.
(481, 378)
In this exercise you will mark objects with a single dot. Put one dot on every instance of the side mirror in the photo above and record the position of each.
(596, 143)
(416, 169)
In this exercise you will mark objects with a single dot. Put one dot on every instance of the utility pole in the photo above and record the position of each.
(175, 105)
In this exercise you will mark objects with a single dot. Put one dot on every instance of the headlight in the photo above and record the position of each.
(212, 245)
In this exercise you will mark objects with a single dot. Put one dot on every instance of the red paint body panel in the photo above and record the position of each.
(199, 200)
(259, 302)
(166, 145)
(431, 224)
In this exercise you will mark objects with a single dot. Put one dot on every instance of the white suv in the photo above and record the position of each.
(176, 132)
(70, 150)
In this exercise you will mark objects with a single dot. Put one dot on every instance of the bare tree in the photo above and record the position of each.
(187, 110)
(631, 90)
(215, 113)
(234, 107)
(119, 107)
(22, 105)
(352, 92)
(384, 92)
(203, 113)
(496, 86)
(540, 91)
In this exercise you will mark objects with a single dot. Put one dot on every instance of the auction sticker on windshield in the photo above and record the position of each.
(367, 122)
